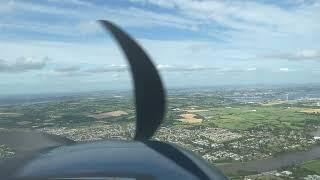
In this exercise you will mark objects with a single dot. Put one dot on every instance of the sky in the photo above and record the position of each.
(57, 46)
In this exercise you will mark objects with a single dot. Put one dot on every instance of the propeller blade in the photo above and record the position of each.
(149, 91)
(150, 102)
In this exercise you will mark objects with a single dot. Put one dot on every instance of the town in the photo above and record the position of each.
(224, 126)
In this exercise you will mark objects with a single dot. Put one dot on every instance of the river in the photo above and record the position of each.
(283, 160)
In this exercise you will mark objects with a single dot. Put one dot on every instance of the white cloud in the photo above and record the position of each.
(251, 20)
(252, 69)
(73, 2)
(41, 8)
(287, 70)
(85, 15)
(161, 3)
(6, 6)
(116, 75)
(225, 70)
(246, 24)
(193, 68)
(284, 69)
(307, 54)
(229, 12)
(22, 64)
(111, 68)
(299, 55)
(160, 67)
(90, 27)
(59, 29)
(67, 69)
(226, 37)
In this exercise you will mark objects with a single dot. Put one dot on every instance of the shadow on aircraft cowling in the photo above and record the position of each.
(54, 157)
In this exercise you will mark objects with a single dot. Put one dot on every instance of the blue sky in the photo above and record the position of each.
(56, 45)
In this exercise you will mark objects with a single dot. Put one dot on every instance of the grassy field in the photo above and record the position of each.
(312, 166)
(245, 117)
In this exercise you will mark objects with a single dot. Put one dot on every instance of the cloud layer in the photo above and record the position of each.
(229, 41)
(299, 55)
(105, 69)
(22, 64)
(67, 69)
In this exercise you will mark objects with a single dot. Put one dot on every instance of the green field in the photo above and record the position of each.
(312, 166)
(246, 117)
